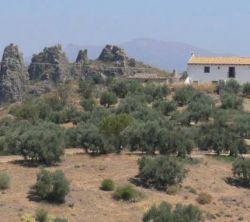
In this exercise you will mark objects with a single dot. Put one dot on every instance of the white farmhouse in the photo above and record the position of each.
(215, 69)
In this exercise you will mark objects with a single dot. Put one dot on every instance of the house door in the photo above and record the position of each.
(231, 72)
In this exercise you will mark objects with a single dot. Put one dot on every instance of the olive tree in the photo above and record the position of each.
(241, 169)
(160, 172)
(51, 186)
(107, 99)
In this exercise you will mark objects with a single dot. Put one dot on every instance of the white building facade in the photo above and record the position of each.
(215, 69)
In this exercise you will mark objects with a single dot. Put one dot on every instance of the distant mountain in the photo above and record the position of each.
(161, 54)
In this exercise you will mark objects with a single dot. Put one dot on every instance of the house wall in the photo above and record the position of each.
(217, 72)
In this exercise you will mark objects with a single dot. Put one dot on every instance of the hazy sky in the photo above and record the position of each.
(217, 25)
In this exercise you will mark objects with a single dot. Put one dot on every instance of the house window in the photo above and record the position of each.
(231, 72)
(206, 69)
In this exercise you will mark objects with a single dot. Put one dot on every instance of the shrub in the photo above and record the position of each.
(28, 218)
(246, 89)
(127, 193)
(175, 142)
(112, 127)
(85, 88)
(52, 186)
(221, 139)
(41, 215)
(4, 181)
(165, 107)
(156, 91)
(181, 213)
(88, 104)
(107, 99)
(231, 101)
(184, 95)
(60, 220)
(241, 169)
(41, 143)
(172, 190)
(232, 86)
(161, 171)
(200, 108)
(204, 198)
(108, 185)
(93, 141)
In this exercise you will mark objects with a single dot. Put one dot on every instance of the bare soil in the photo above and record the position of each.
(87, 203)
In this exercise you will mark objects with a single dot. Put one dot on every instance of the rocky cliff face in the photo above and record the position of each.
(113, 53)
(82, 57)
(50, 65)
(80, 67)
(13, 75)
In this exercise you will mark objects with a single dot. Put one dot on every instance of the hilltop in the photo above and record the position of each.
(166, 55)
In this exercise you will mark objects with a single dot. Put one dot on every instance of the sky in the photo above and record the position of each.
(221, 26)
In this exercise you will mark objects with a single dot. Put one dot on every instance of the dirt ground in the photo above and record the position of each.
(87, 203)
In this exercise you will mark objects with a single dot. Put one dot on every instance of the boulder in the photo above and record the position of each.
(13, 75)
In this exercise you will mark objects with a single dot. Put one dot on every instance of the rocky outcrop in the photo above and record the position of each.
(82, 57)
(13, 75)
(50, 65)
(81, 66)
(113, 53)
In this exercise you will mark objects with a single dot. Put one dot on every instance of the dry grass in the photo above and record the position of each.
(205, 87)
(87, 203)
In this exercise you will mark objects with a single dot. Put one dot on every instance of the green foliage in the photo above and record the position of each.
(122, 87)
(107, 185)
(107, 99)
(60, 220)
(146, 136)
(161, 172)
(184, 95)
(156, 91)
(85, 88)
(28, 218)
(231, 101)
(52, 186)
(200, 108)
(112, 127)
(68, 114)
(132, 103)
(204, 198)
(88, 104)
(246, 89)
(92, 140)
(232, 86)
(127, 193)
(221, 139)
(165, 107)
(241, 169)
(41, 143)
(31, 110)
(96, 78)
(164, 213)
(172, 190)
(175, 142)
(41, 215)
(4, 181)
(241, 126)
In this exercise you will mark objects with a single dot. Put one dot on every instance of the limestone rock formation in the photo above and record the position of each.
(13, 75)
(50, 65)
(113, 53)
(82, 57)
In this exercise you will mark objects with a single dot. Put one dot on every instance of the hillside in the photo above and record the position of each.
(162, 54)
